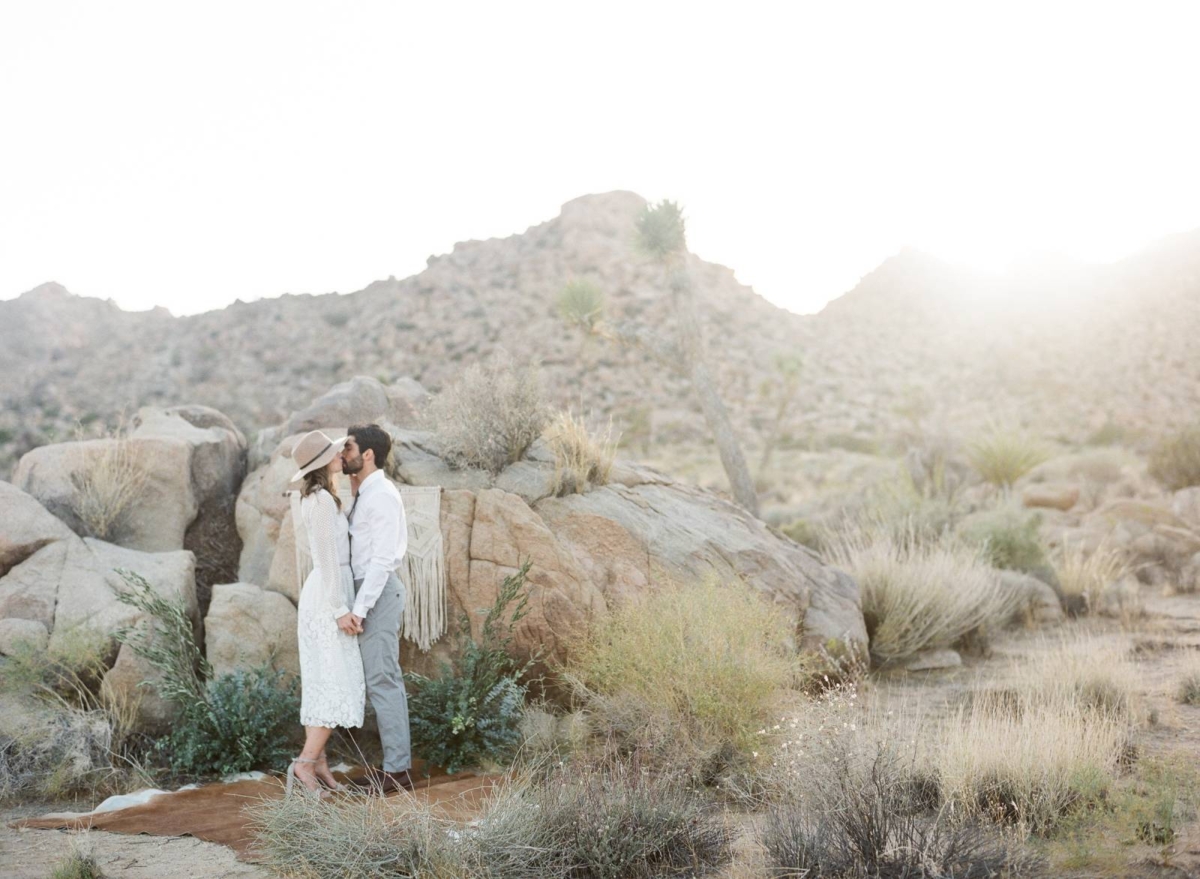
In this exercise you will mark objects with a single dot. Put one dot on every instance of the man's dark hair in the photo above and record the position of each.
(375, 438)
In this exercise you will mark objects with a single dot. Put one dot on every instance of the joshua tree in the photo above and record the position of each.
(661, 237)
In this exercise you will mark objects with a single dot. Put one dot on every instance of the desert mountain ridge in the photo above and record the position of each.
(1060, 348)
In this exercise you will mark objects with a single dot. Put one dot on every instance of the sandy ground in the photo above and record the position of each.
(33, 854)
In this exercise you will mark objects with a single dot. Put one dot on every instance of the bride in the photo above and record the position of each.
(332, 690)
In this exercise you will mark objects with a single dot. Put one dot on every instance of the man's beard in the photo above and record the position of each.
(350, 466)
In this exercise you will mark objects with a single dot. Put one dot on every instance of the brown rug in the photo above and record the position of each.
(214, 812)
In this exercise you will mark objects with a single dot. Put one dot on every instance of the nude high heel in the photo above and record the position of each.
(319, 791)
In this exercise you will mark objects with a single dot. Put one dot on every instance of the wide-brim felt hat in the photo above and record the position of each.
(316, 449)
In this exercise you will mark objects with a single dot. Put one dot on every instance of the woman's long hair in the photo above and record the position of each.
(320, 478)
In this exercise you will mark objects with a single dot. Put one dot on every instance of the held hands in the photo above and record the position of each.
(350, 624)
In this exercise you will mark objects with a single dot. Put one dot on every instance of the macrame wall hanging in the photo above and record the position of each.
(423, 570)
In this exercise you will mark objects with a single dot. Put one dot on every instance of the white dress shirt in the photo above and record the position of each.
(378, 538)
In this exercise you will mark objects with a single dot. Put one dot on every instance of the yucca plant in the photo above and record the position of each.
(581, 302)
(1004, 456)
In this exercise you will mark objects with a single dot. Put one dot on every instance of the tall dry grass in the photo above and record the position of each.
(919, 594)
(582, 458)
(690, 672)
(1031, 766)
(1086, 575)
(109, 485)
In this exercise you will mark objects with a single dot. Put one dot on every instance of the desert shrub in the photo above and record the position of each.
(688, 674)
(1002, 457)
(599, 823)
(1032, 767)
(581, 302)
(231, 723)
(355, 838)
(1175, 460)
(470, 713)
(491, 414)
(869, 816)
(582, 459)
(1087, 575)
(110, 484)
(1010, 540)
(919, 595)
(77, 865)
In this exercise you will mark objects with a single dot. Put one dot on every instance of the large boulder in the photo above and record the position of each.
(247, 627)
(25, 527)
(261, 508)
(362, 400)
(163, 503)
(217, 467)
(186, 464)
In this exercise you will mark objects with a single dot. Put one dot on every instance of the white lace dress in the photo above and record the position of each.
(332, 692)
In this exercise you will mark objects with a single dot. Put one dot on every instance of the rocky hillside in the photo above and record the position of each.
(1061, 348)
(65, 358)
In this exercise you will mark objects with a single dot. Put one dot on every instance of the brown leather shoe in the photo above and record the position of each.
(377, 781)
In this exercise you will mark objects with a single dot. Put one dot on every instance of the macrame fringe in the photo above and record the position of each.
(424, 567)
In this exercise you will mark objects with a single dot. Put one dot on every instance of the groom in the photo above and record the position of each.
(378, 539)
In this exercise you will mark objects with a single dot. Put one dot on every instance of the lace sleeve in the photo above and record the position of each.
(323, 536)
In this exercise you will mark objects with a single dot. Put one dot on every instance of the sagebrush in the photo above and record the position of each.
(491, 414)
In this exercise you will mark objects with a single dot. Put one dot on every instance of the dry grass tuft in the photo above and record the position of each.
(108, 487)
(582, 459)
(689, 674)
(1031, 767)
(491, 414)
(920, 595)
(77, 865)
(1098, 677)
(355, 837)
(1087, 575)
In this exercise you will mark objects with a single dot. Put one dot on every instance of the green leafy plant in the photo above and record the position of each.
(470, 713)
(231, 723)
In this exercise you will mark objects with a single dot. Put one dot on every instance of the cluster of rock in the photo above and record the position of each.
(587, 551)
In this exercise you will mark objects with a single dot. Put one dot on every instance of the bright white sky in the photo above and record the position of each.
(186, 155)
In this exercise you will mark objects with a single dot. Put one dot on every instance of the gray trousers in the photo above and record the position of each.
(379, 644)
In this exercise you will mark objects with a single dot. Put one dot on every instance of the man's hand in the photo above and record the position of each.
(349, 623)
(358, 622)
